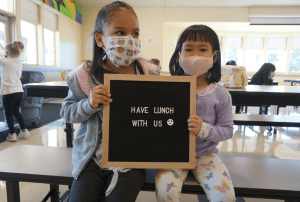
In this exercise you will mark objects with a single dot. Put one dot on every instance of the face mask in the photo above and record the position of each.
(122, 50)
(271, 76)
(196, 65)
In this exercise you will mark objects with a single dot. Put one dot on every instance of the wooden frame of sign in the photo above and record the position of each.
(133, 137)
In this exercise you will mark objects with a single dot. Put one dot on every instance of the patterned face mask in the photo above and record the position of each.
(122, 50)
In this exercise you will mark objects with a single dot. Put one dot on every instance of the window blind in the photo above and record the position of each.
(50, 20)
(29, 11)
(295, 43)
(234, 42)
(256, 43)
(277, 43)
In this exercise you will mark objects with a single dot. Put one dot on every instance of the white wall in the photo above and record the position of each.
(89, 15)
(70, 33)
(150, 22)
(155, 23)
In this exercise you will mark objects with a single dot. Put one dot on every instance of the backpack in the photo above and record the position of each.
(233, 76)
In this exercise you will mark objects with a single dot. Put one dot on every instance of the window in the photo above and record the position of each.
(276, 53)
(254, 53)
(295, 55)
(233, 49)
(2, 39)
(4, 5)
(49, 47)
(29, 16)
(28, 31)
(50, 22)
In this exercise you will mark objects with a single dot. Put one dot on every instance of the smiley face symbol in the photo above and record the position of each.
(170, 122)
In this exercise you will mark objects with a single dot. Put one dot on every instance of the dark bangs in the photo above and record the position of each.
(198, 33)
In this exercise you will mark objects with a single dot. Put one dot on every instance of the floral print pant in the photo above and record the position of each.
(210, 172)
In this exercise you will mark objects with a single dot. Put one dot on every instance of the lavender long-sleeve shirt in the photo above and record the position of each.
(214, 107)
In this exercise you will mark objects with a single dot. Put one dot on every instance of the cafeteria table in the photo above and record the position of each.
(251, 95)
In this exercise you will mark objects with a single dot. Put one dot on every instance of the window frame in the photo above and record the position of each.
(7, 34)
(40, 36)
(6, 30)
(266, 36)
(224, 46)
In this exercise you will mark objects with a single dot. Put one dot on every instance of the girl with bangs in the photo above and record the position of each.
(197, 54)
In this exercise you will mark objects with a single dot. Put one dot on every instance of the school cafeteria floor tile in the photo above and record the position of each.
(247, 141)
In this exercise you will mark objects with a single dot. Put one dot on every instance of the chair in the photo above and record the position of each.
(63, 74)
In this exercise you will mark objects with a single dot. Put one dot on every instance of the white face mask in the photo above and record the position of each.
(196, 65)
(122, 50)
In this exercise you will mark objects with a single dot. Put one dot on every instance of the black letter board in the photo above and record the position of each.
(146, 124)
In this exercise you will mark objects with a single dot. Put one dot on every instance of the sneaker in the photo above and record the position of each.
(11, 137)
(23, 134)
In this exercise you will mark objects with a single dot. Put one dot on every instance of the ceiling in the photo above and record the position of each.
(193, 3)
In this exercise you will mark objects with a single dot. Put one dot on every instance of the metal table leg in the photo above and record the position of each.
(54, 188)
(12, 191)
(69, 132)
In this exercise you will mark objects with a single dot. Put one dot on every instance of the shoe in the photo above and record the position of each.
(23, 134)
(11, 137)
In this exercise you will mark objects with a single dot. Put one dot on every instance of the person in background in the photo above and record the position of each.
(231, 62)
(12, 89)
(264, 76)
(157, 63)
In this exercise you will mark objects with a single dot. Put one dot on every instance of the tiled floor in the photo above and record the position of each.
(247, 141)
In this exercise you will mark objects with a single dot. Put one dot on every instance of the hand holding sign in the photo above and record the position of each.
(99, 95)
(194, 124)
(145, 125)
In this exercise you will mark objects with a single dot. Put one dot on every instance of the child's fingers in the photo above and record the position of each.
(193, 120)
(103, 87)
(101, 92)
(193, 125)
(196, 121)
(193, 131)
(102, 97)
(194, 117)
(102, 101)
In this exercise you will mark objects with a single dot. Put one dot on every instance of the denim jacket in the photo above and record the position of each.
(76, 109)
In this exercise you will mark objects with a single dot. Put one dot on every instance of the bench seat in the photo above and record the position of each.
(266, 120)
(252, 177)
